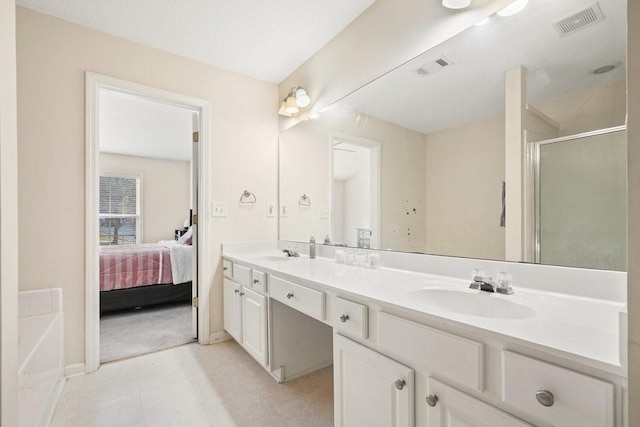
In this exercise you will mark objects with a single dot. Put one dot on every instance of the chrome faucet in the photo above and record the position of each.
(486, 283)
(291, 253)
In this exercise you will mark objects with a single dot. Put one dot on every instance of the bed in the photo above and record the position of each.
(144, 274)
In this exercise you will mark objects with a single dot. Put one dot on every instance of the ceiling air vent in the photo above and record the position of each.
(584, 18)
(432, 67)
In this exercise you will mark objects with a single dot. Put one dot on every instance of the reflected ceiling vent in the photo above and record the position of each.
(584, 18)
(432, 67)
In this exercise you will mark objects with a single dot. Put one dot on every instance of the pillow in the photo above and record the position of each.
(187, 237)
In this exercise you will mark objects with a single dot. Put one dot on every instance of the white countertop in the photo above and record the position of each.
(578, 328)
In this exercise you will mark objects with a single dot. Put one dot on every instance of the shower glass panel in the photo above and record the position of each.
(581, 195)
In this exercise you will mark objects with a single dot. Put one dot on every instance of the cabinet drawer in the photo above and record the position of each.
(456, 358)
(227, 268)
(241, 274)
(306, 300)
(259, 281)
(575, 399)
(350, 318)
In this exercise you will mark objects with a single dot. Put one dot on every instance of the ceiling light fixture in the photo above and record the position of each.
(606, 68)
(456, 4)
(296, 98)
(513, 8)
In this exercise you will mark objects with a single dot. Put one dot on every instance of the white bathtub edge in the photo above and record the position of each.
(50, 408)
(74, 370)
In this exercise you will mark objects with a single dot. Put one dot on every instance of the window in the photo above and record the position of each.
(120, 210)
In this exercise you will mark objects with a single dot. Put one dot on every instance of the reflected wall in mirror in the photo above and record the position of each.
(438, 136)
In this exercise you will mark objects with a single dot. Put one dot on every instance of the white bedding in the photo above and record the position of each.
(181, 261)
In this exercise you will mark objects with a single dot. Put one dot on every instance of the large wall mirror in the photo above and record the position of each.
(422, 159)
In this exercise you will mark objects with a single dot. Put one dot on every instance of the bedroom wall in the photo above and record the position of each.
(165, 192)
(53, 56)
(8, 219)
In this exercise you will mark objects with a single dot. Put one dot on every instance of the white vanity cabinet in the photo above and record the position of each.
(232, 309)
(254, 324)
(370, 389)
(451, 407)
(245, 312)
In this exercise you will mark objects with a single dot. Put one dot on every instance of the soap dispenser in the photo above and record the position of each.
(312, 247)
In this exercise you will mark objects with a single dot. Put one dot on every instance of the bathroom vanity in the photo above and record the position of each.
(413, 348)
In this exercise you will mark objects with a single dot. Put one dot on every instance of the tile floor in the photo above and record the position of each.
(193, 385)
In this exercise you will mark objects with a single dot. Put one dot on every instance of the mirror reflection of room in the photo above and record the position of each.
(146, 253)
(458, 125)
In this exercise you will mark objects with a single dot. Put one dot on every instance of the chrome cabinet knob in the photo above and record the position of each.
(544, 397)
(241, 293)
(225, 268)
(400, 384)
(236, 291)
(344, 318)
(290, 295)
(432, 400)
(256, 281)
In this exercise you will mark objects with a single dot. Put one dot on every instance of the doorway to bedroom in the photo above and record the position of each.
(147, 177)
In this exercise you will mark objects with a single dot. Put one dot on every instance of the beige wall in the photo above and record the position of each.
(591, 109)
(465, 170)
(633, 180)
(305, 168)
(52, 58)
(402, 174)
(8, 219)
(165, 192)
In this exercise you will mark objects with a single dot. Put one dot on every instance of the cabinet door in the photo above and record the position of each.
(452, 408)
(370, 389)
(254, 324)
(232, 309)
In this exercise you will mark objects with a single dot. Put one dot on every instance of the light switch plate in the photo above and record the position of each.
(283, 211)
(271, 210)
(218, 209)
(324, 213)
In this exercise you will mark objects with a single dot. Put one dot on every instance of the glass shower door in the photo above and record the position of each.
(581, 203)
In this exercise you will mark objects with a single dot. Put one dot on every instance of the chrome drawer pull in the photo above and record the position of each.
(432, 400)
(236, 291)
(544, 397)
(256, 281)
(344, 318)
(225, 268)
(400, 384)
(290, 295)
(241, 293)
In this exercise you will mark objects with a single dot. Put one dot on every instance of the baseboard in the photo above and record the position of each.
(219, 337)
(75, 369)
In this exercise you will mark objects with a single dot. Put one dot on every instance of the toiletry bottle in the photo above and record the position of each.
(312, 247)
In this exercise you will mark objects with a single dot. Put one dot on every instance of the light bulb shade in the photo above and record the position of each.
(302, 98)
(283, 109)
(513, 8)
(456, 4)
(291, 106)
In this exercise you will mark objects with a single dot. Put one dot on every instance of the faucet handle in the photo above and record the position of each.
(504, 282)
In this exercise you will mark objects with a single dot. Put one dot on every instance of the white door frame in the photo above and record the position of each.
(374, 148)
(94, 83)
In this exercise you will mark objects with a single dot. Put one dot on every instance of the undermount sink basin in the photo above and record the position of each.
(478, 303)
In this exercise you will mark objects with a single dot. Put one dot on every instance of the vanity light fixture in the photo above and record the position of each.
(456, 4)
(513, 8)
(296, 98)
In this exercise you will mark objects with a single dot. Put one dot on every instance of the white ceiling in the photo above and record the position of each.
(264, 39)
(473, 87)
(136, 126)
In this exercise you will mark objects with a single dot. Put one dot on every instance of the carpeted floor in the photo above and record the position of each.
(135, 332)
